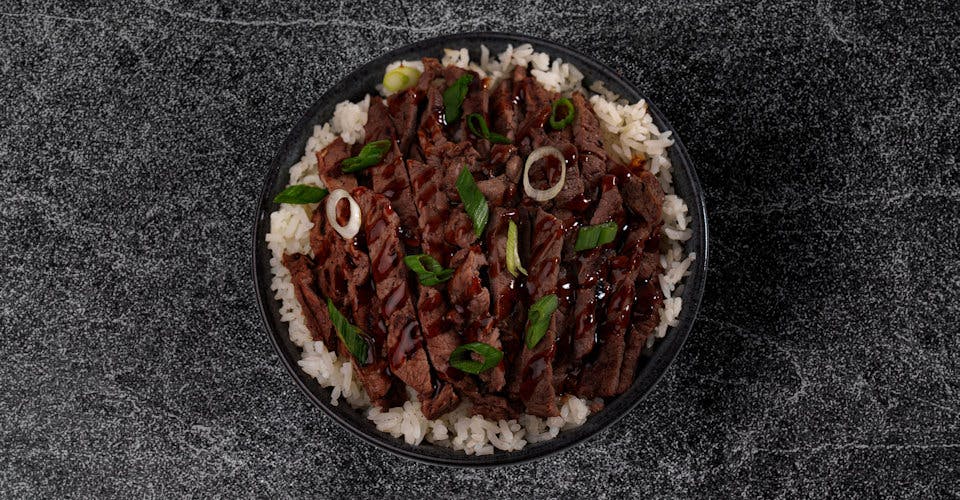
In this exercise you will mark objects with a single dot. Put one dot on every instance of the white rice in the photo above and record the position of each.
(629, 132)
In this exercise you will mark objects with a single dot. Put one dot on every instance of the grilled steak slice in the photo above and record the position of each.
(601, 375)
(465, 287)
(645, 318)
(643, 196)
(390, 176)
(443, 229)
(588, 140)
(343, 274)
(434, 314)
(406, 350)
(314, 308)
(592, 270)
(328, 166)
(503, 110)
(507, 312)
(439, 403)
(535, 382)
(403, 110)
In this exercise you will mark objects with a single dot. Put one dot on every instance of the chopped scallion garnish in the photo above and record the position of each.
(478, 125)
(370, 155)
(461, 360)
(453, 98)
(539, 319)
(400, 78)
(473, 201)
(593, 236)
(429, 271)
(513, 255)
(569, 111)
(351, 336)
(300, 194)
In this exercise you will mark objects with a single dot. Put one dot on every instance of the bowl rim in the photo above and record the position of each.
(576, 436)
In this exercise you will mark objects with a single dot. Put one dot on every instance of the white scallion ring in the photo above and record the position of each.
(353, 225)
(544, 194)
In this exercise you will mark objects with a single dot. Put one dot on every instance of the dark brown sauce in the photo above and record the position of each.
(375, 231)
(384, 262)
(648, 297)
(396, 300)
(427, 306)
(532, 122)
(545, 268)
(407, 346)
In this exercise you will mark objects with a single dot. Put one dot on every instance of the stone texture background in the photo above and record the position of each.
(134, 138)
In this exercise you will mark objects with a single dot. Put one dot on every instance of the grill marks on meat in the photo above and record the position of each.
(342, 273)
(328, 166)
(592, 270)
(390, 177)
(507, 310)
(403, 110)
(534, 386)
(314, 308)
(609, 297)
(406, 352)
(588, 140)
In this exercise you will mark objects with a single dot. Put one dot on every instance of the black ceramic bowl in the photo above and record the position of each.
(362, 81)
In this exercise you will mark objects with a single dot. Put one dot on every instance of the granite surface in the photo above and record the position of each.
(134, 138)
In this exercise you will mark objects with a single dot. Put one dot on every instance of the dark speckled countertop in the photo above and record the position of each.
(133, 143)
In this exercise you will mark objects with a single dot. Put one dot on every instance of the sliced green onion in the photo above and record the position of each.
(300, 194)
(400, 78)
(473, 201)
(453, 98)
(593, 236)
(478, 125)
(429, 271)
(558, 124)
(351, 336)
(513, 255)
(539, 319)
(370, 155)
(461, 360)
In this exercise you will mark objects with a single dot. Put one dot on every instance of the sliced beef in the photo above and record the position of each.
(342, 268)
(588, 140)
(314, 308)
(328, 166)
(643, 196)
(493, 407)
(403, 108)
(435, 321)
(442, 229)
(601, 375)
(444, 400)
(507, 314)
(432, 70)
(503, 110)
(502, 170)
(498, 191)
(535, 382)
(469, 295)
(476, 101)
(645, 318)
(343, 274)
(466, 288)
(592, 269)
(572, 189)
(406, 351)
(390, 176)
